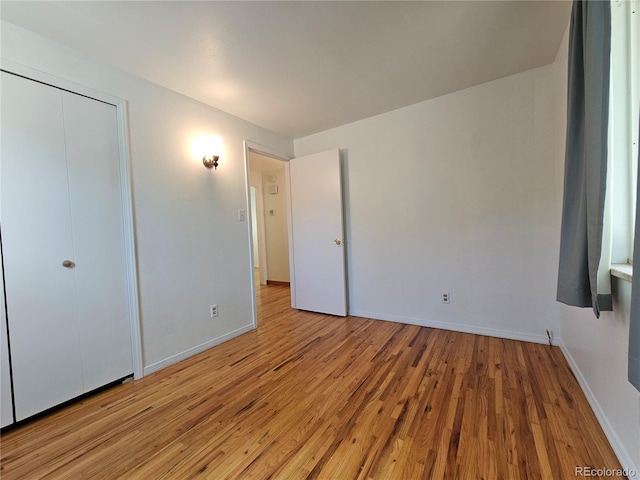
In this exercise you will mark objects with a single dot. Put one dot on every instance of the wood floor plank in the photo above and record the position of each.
(314, 396)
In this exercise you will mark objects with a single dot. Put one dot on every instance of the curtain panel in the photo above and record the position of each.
(586, 158)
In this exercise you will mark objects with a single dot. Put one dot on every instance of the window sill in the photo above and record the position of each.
(623, 271)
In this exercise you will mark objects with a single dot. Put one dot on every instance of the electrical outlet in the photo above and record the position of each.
(446, 297)
(213, 310)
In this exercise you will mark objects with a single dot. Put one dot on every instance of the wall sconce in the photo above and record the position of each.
(209, 148)
(211, 162)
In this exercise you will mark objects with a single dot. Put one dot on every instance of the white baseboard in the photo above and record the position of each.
(154, 367)
(621, 452)
(458, 327)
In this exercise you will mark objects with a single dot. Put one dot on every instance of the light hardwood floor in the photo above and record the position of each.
(315, 396)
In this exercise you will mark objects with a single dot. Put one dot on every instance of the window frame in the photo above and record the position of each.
(623, 128)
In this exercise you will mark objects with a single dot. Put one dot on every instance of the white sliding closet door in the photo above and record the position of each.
(68, 325)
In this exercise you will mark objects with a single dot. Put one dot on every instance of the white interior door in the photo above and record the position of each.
(318, 281)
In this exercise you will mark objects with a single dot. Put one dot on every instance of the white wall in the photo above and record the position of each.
(597, 349)
(276, 229)
(456, 194)
(192, 250)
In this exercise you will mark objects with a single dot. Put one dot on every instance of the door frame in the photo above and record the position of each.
(250, 146)
(262, 247)
(125, 192)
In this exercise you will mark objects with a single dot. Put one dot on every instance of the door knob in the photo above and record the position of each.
(337, 241)
(68, 264)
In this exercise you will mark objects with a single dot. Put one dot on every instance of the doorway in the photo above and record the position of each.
(268, 192)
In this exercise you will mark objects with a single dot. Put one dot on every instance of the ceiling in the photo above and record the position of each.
(298, 68)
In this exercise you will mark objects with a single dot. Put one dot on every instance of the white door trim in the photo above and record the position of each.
(125, 192)
(256, 182)
(262, 237)
(250, 146)
(292, 270)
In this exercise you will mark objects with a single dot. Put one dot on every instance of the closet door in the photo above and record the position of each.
(63, 240)
(97, 224)
(36, 235)
(6, 402)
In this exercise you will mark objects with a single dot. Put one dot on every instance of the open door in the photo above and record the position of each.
(318, 279)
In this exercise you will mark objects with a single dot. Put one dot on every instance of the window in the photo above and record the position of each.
(623, 127)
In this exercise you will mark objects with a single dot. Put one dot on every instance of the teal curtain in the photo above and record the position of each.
(586, 156)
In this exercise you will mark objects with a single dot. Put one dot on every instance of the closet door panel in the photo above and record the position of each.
(6, 402)
(36, 236)
(96, 213)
